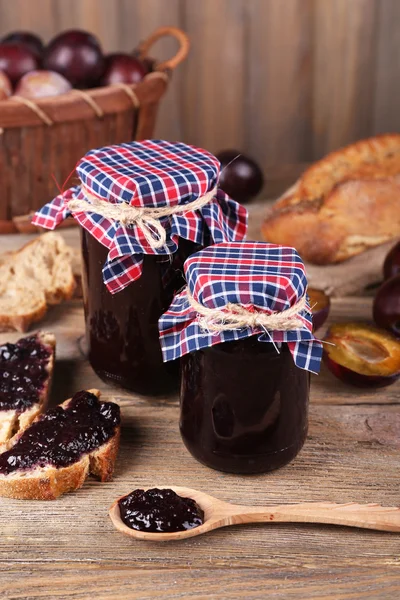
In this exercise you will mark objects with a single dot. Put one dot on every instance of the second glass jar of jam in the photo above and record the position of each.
(244, 381)
(244, 406)
(144, 207)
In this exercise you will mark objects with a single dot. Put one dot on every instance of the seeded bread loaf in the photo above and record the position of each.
(24, 398)
(343, 204)
(31, 279)
(48, 482)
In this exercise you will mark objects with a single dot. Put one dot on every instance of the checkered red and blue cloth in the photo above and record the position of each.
(151, 173)
(256, 275)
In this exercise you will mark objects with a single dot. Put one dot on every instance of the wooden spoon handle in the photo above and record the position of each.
(368, 516)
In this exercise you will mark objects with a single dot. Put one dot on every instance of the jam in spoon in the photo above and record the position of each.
(222, 514)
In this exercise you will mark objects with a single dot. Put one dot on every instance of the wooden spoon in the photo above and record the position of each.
(222, 514)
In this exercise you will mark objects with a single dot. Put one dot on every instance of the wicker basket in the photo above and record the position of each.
(41, 141)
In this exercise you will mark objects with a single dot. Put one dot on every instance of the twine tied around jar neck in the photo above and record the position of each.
(236, 316)
(146, 218)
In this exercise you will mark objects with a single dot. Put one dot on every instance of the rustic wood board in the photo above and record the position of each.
(279, 79)
(68, 549)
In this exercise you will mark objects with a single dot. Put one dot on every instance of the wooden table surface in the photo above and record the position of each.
(67, 549)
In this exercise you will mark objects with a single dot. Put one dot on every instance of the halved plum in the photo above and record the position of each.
(362, 355)
(320, 305)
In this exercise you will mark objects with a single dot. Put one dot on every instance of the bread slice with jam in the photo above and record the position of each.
(61, 448)
(26, 370)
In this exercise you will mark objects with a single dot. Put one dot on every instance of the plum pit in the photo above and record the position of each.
(366, 349)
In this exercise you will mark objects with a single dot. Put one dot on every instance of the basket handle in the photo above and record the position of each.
(159, 33)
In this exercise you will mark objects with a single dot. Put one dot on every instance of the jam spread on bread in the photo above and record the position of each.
(62, 435)
(159, 511)
(23, 372)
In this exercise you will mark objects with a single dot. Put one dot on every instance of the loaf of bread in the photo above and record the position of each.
(343, 204)
(31, 279)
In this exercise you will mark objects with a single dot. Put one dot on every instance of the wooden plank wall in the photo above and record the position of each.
(284, 80)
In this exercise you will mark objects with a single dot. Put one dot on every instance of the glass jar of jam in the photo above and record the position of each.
(244, 382)
(143, 207)
(244, 406)
(122, 329)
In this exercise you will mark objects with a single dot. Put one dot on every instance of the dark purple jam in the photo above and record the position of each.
(159, 511)
(61, 436)
(23, 372)
(122, 328)
(244, 406)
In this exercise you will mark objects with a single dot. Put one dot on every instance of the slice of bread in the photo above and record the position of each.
(50, 482)
(343, 204)
(31, 279)
(46, 261)
(15, 420)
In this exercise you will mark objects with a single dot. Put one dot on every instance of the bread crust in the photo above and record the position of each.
(356, 213)
(21, 323)
(14, 421)
(102, 460)
(49, 483)
(374, 157)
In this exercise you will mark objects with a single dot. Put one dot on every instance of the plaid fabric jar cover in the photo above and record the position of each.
(264, 278)
(149, 174)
